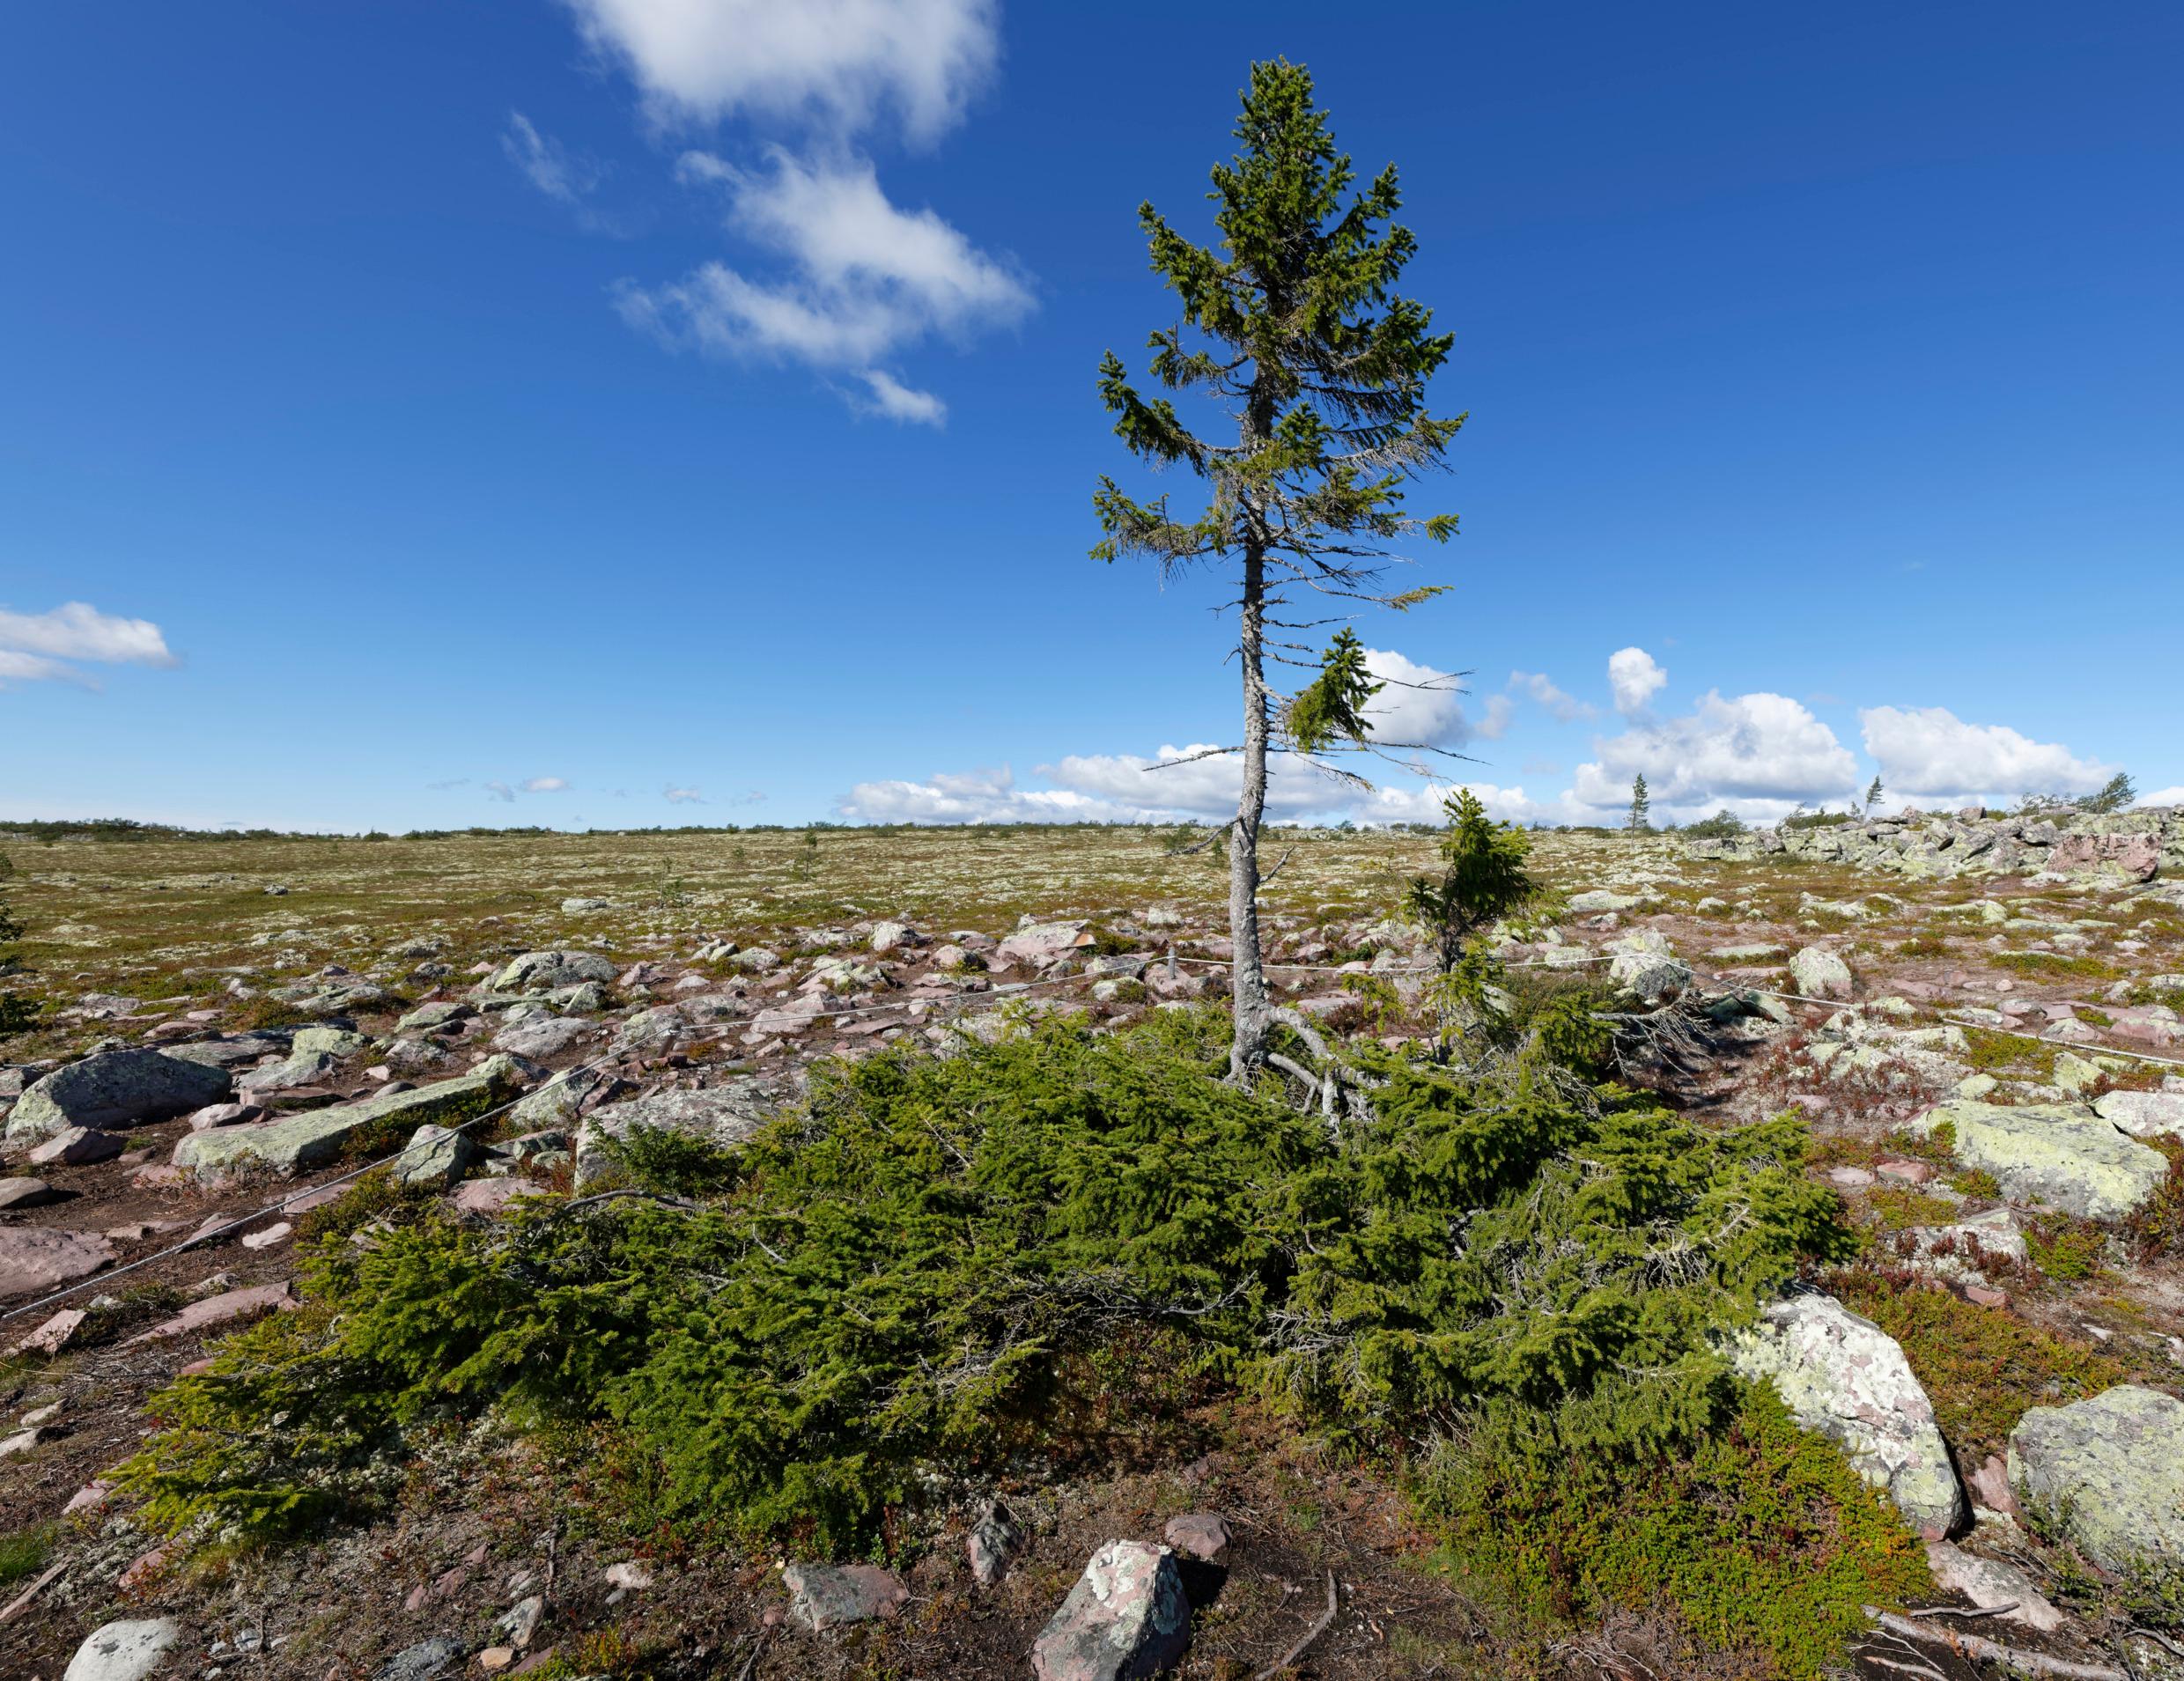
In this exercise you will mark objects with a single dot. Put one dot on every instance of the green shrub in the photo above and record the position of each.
(1758, 1537)
(1723, 825)
(679, 1164)
(23, 1553)
(1981, 1369)
(892, 1276)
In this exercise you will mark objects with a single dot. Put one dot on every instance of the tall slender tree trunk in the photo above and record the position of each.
(1247, 977)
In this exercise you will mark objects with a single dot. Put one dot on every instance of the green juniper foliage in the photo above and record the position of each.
(17, 1014)
(1299, 339)
(882, 1283)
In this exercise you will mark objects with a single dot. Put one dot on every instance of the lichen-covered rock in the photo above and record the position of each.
(115, 1088)
(1846, 1378)
(540, 971)
(827, 1596)
(2060, 1156)
(301, 1141)
(723, 1114)
(435, 1156)
(1819, 973)
(2143, 1115)
(2107, 1472)
(125, 1651)
(1126, 1618)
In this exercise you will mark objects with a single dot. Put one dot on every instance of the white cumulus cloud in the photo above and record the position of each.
(2162, 797)
(1760, 754)
(1636, 678)
(839, 62)
(35, 647)
(1929, 750)
(543, 785)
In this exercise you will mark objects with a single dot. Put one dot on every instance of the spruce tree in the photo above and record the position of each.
(2118, 795)
(1873, 794)
(1640, 805)
(1298, 338)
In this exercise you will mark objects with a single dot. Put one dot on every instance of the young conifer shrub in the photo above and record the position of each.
(876, 1284)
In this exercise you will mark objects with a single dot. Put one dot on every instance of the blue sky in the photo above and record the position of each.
(689, 412)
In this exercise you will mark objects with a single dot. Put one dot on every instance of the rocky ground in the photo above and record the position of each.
(1978, 1016)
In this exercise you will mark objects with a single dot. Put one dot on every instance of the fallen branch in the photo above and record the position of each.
(1986, 1651)
(1964, 1611)
(627, 1190)
(1311, 1634)
(16, 1606)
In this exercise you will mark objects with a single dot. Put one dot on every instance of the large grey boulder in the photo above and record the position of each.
(291, 1074)
(230, 1051)
(542, 1036)
(2109, 1473)
(1819, 973)
(125, 1651)
(2058, 1156)
(2143, 1115)
(1646, 968)
(1126, 1618)
(540, 971)
(724, 1114)
(1846, 1378)
(115, 1088)
(301, 1141)
(435, 1156)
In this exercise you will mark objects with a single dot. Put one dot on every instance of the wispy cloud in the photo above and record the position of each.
(866, 279)
(543, 785)
(676, 796)
(547, 164)
(452, 782)
(501, 791)
(1563, 707)
(34, 647)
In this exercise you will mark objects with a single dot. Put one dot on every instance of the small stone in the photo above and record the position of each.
(1987, 1295)
(421, 1662)
(77, 1146)
(124, 1651)
(827, 1595)
(629, 1574)
(89, 1497)
(50, 1338)
(1989, 1583)
(520, 1622)
(1850, 1178)
(1908, 1173)
(23, 1440)
(1820, 973)
(993, 1545)
(26, 1193)
(1202, 1535)
(226, 1115)
(494, 1659)
(268, 1236)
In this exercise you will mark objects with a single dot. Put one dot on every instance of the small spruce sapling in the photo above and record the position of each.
(1485, 877)
(1641, 820)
